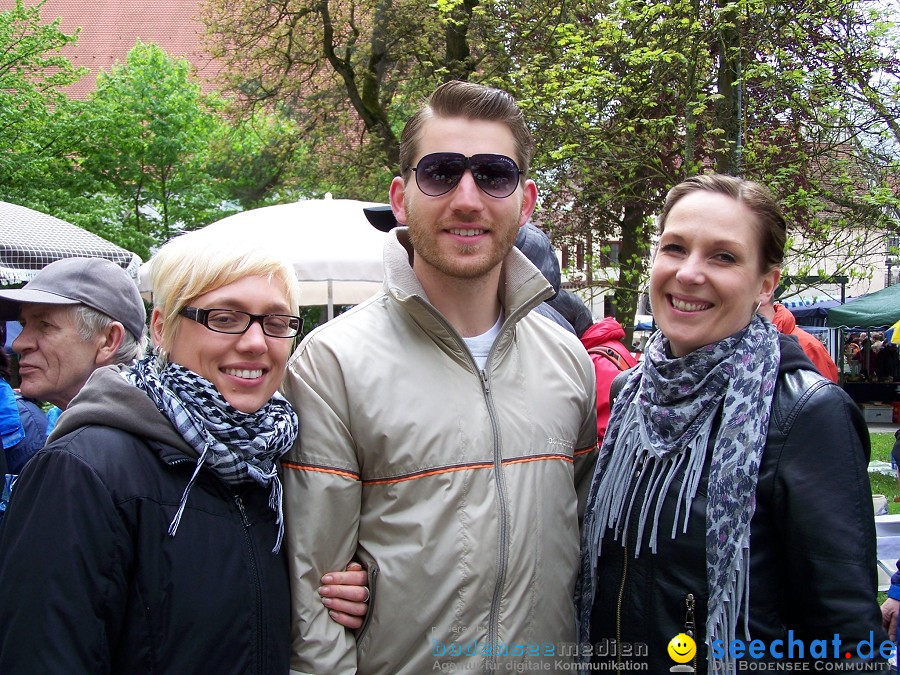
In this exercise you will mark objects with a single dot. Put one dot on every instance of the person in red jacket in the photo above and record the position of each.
(603, 340)
(785, 323)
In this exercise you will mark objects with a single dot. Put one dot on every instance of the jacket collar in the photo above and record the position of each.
(108, 399)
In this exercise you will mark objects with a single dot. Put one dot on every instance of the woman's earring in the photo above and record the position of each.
(758, 305)
(162, 358)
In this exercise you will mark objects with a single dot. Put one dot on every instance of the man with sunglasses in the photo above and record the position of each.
(447, 430)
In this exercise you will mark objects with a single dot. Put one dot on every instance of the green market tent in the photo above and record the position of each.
(875, 310)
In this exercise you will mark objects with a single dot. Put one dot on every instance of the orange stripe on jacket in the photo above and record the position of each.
(585, 451)
(465, 467)
(320, 469)
(429, 472)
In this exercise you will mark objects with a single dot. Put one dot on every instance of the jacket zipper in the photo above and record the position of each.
(619, 604)
(619, 666)
(689, 605)
(494, 618)
(260, 641)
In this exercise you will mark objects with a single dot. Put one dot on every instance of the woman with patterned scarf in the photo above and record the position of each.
(731, 502)
(147, 536)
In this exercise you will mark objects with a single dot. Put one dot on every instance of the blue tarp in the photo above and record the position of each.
(813, 310)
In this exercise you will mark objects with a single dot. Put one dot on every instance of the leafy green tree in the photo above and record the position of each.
(347, 73)
(33, 146)
(147, 155)
(39, 126)
(145, 140)
(630, 97)
(822, 92)
(263, 159)
(606, 92)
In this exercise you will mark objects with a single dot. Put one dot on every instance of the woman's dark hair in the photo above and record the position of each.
(757, 198)
(4, 364)
(4, 357)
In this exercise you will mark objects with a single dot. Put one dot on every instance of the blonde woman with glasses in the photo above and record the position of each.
(146, 537)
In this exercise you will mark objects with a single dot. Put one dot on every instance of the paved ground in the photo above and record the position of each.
(883, 428)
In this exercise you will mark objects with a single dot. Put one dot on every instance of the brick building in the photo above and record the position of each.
(110, 28)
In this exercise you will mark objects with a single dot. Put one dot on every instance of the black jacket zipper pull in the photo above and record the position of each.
(689, 622)
(689, 615)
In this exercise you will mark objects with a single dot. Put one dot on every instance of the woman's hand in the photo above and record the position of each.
(345, 594)
(889, 617)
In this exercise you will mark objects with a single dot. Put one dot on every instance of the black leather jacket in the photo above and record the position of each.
(812, 543)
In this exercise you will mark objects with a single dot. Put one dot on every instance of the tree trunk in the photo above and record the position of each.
(632, 254)
(727, 110)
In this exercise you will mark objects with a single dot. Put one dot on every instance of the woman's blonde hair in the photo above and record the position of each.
(202, 261)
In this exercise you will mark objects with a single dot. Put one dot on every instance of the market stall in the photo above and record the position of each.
(30, 240)
(875, 386)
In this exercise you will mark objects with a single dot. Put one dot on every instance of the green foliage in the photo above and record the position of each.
(147, 156)
(882, 443)
(630, 97)
(626, 98)
(32, 144)
(144, 139)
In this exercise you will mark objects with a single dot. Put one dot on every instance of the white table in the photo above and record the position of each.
(887, 533)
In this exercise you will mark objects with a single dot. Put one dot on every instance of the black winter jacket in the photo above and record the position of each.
(812, 543)
(91, 581)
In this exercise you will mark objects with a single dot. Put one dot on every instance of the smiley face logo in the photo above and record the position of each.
(682, 648)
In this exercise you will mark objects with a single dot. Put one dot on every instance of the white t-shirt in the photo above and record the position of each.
(480, 345)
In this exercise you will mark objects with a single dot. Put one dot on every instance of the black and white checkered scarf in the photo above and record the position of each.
(238, 447)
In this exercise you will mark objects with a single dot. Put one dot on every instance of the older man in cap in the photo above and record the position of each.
(77, 315)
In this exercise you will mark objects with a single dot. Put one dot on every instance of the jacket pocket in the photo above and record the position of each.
(373, 587)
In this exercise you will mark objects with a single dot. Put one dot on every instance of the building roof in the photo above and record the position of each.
(110, 28)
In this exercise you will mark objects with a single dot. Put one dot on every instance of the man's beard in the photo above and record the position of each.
(468, 263)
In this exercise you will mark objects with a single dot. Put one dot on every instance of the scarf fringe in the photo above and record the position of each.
(276, 504)
(173, 526)
(616, 498)
(692, 475)
(723, 618)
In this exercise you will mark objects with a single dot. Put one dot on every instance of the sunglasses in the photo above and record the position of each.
(440, 172)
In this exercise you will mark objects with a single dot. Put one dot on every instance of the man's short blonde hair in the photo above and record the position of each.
(202, 261)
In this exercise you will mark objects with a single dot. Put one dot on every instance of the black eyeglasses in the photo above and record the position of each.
(236, 322)
(440, 172)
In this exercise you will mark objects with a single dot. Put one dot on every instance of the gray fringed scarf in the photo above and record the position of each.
(238, 447)
(661, 422)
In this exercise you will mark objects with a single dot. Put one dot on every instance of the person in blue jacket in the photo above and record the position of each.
(23, 431)
(23, 425)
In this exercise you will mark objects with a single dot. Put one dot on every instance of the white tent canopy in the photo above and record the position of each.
(336, 253)
(31, 240)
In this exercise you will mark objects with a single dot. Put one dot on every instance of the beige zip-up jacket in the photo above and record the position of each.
(458, 489)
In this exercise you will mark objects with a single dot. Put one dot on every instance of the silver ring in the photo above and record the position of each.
(366, 599)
